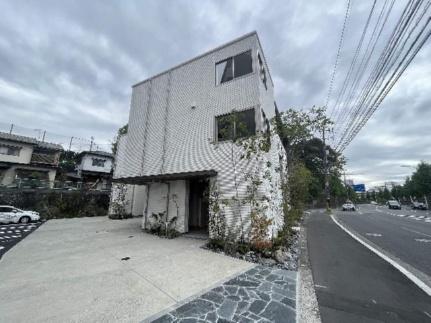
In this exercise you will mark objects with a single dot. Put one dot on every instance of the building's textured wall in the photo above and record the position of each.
(172, 121)
(87, 164)
(139, 199)
(24, 154)
(178, 203)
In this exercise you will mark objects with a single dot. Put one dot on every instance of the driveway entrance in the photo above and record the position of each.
(101, 270)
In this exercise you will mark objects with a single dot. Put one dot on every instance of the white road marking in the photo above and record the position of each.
(320, 286)
(404, 271)
(414, 231)
(423, 240)
(373, 234)
(427, 314)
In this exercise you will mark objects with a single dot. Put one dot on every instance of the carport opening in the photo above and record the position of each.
(198, 206)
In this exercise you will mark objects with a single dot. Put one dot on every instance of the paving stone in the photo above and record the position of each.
(234, 298)
(165, 319)
(213, 297)
(277, 312)
(227, 309)
(194, 309)
(243, 299)
(242, 307)
(243, 319)
(211, 317)
(257, 306)
(232, 290)
(265, 287)
(289, 302)
(264, 296)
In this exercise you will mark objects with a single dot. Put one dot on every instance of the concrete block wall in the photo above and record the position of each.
(177, 206)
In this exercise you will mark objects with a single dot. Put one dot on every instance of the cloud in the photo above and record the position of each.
(68, 66)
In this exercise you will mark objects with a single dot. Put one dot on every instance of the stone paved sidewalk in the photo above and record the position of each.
(262, 294)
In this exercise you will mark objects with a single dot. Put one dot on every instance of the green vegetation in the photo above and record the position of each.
(416, 186)
(300, 132)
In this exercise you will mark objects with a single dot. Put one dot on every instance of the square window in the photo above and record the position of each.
(224, 71)
(236, 125)
(233, 67)
(243, 64)
(98, 162)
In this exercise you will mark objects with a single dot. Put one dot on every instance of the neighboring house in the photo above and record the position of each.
(179, 148)
(27, 162)
(94, 169)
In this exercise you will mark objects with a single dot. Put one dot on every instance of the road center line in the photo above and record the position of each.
(414, 231)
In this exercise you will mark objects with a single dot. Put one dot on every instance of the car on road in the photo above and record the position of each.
(348, 206)
(419, 206)
(373, 203)
(10, 214)
(393, 204)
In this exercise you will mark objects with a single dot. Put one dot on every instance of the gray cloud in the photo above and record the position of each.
(68, 66)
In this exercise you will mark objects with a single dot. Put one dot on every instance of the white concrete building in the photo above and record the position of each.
(179, 143)
(26, 161)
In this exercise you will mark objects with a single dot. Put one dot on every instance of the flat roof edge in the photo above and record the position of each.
(254, 32)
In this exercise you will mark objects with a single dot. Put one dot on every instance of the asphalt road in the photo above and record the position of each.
(11, 234)
(405, 234)
(355, 285)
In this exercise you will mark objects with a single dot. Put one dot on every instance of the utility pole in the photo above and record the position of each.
(325, 167)
(70, 143)
(11, 128)
(43, 137)
(91, 144)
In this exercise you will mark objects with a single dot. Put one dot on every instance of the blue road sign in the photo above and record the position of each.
(359, 187)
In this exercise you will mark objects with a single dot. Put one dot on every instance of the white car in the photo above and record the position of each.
(10, 214)
(348, 206)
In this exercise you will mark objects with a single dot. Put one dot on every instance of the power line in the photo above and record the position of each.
(340, 45)
(394, 59)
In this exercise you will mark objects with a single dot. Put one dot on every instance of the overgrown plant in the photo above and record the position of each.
(119, 202)
(163, 226)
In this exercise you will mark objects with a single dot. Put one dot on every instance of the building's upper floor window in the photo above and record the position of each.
(98, 162)
(262, 71)
(10, 150)
(235, 125)
(233, 67)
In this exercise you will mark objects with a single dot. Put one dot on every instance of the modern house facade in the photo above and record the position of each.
(182, 146)
(26, 161)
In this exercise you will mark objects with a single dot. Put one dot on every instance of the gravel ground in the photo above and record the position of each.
(288, 260)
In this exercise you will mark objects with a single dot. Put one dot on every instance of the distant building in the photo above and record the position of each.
(27, 162)
(94, 169)
(349, 182)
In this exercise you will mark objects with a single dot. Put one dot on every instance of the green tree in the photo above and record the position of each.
(121, 131)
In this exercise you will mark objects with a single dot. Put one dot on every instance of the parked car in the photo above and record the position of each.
(10, 214)
(348, 206)
(419, 206)
(393, 204)
(373, 203)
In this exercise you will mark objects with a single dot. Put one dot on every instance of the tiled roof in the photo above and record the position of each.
(29, 140)
(98, 153)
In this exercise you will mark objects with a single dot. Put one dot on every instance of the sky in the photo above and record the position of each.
(67, 67)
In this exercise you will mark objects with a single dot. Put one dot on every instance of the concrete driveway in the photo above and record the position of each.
(71, 271)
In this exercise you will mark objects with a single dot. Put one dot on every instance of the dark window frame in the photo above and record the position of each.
(98, 162)
(262, 70)
(232, 58)
(15, 149)
(234, 135)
